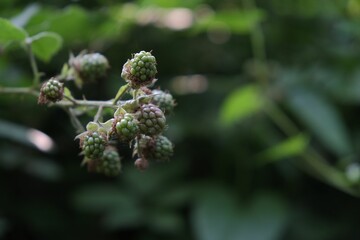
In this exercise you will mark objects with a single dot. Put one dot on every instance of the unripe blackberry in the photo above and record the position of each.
(90, 67)
(51, 91)
(126, 127)
(151, 120)
(93, 145)
(141, 164)
(163, 100)
(162, 149)
(109, 164)
(140, 70)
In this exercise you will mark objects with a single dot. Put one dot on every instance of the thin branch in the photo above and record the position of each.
(98, 114)
(16, 90)
(85, 103)
(74, 120)
(34, 67)
(256, 35)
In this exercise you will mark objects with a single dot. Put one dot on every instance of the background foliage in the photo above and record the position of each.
(266, 130)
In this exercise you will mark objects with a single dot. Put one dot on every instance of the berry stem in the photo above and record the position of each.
(99, 114)
(24, 90)
(34, 67)
(85, 103)
(74, 120)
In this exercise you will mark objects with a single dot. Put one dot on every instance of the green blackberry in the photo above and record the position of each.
(163, 100)
(51, 91)
(151, 120)
(161, 149)
(126, 127)
(140, 70)
(93, 145)
(109, 164)
(90, 67)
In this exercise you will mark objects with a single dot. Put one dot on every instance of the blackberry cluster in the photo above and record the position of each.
(139, 121)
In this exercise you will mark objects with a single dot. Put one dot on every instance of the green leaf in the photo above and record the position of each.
(218, 216)
(67, 93)
(171, 3)
(43, 168)
(119, 208)
(121, 92)
(101, 197)
(236, 21)
(289, 148)
(322, 119)
(46, 44)
(241, 103)
(92, 126)
(10, 32)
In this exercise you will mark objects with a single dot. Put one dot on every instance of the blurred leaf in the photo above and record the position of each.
(22, 19)
(97, 198)
(43, 168)
(290, 147)
(10, 32)
(3, 226)
(176, 196)
(46, 44)
(153, 179)
(218, 216)
(322, 118)
(241, 103)
(165, 221)
(236, 21)
(123, 217)
(28, 136)
(67, 93)
(119, 208)
(72, 23)
(170, 3)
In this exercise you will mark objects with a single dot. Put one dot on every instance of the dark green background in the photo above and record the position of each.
(213, 188)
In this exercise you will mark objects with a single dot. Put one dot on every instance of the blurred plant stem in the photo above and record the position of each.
(34, 67)
(256, 35)
(19, 90)
(311, 161)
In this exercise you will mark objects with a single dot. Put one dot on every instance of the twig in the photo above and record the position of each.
(74, 120)
(34, 67)
(24, 90)
(98, 114)
(85, 103)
